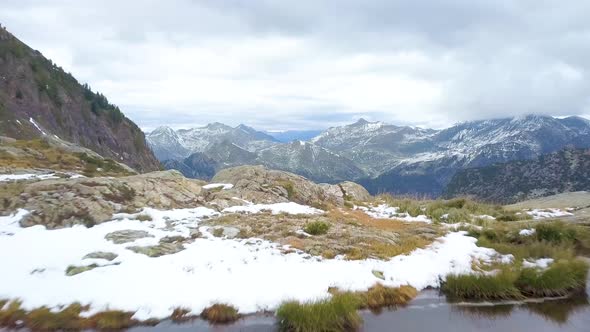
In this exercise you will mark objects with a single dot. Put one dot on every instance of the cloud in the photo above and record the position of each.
(314, 64)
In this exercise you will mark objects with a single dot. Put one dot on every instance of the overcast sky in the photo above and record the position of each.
(314, 64)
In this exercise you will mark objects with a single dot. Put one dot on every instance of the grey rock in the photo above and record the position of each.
(125, 236)
(109, 256)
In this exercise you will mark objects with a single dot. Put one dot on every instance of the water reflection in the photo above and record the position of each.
(556, 311)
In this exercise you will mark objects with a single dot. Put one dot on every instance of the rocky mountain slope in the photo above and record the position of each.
(567, 170)
(38, 98)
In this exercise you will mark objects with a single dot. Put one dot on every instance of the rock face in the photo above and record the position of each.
(355, 191)
(564, 171)
(38, 98)
(261, 185)
(63, 202)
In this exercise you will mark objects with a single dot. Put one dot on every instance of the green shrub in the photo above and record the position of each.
(317, 228)
(482, 287)
(560, 279)
(555, 232)
(338, 313)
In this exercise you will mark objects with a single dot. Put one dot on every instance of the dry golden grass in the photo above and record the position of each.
(360, 218)
(220, 314)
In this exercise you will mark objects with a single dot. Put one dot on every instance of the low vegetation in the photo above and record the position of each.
(69, 318)
(452, 210)
(339, 313)
(220, 314)
(562, 278)
(557, 240)
(317, 228)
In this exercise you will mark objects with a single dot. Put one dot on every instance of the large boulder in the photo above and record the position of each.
(354, 191)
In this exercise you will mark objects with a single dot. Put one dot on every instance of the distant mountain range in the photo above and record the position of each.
(38, 98)
(294, 135)
(564, 171)
(382, 157)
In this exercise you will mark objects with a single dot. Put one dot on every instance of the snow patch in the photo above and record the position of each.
(548, 213)
(250, 274)
(223, 186)
(36, 126)
(16, 177)
(385, 211)
(276, 208)
(541, 263)
(527, 232)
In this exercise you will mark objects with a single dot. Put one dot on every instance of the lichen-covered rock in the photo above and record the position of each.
(158, 250)
(109, 256)
(127, 235)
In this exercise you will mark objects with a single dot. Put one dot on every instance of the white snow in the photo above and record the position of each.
(527, 232)
(458, 225)
(384, 211)
(541, 263)
(16, 177)
(223, 186)
(548, 213)
(276, 208)
(250, 274)
(36, 126)
(38, 176)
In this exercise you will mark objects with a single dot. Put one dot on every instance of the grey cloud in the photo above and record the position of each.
(478, 59)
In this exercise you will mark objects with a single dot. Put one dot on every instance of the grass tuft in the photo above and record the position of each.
(180, 315)
(560, 279)
(220, 314)
(338, 313)
(317, 228)
(482, 287)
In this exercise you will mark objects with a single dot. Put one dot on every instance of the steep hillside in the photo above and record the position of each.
(38, 98)
(563, 171)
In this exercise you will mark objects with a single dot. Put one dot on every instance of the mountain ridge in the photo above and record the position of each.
(39, 98)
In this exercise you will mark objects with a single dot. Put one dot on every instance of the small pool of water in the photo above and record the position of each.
(431, 312)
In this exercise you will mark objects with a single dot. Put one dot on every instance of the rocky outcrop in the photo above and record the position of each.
(261, 185)
(63, 202)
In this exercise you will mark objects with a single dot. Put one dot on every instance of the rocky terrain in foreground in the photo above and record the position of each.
(87, 236)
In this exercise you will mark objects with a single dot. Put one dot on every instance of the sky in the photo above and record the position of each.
(312, 64)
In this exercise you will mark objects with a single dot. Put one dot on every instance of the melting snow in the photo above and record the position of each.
(36, 126)
(223, 186)
(527, 232)
(276, 208)
(16, 177)
(46, 176)
(250, 274)
(541, 263)
(548, 213)
(385, 211)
